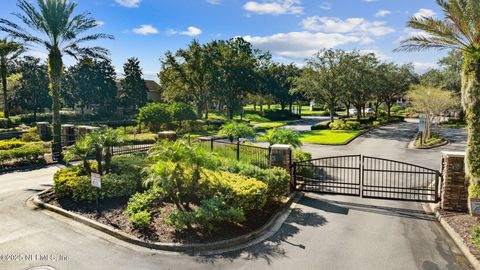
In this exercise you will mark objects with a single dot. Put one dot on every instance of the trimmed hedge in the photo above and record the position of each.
(29, 152)
(72, 183)
(11, 144)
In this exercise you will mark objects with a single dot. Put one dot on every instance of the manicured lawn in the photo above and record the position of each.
(308, 112)
(329, 136)
(276, 124)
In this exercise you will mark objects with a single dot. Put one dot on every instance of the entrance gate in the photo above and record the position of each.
(368, 177)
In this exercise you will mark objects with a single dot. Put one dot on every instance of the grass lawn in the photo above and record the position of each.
(276, 124)
(457, 125)
(329, 136)
(434, 140)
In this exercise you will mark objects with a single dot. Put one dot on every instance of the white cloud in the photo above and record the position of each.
(275, 7)
(214, 2)
(357, 26)
(326, 6)
(129, 3)
(383, 13)
(299, 45)
(192, 31)
(423, 12)
(408, 33)
(100, 23)
(145, 29)
(422, 67)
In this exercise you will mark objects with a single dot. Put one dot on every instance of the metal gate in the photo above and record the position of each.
(368, 177)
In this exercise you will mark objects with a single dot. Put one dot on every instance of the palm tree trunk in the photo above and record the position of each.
(471, 102)
(55, 69)
(6, 113)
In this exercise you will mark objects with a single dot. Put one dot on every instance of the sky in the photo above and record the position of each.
(292, 30)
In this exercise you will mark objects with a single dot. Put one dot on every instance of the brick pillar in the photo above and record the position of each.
(280, 156)
(455, 182)
(82, 131)
(68, 135)
(167, 135)
(44, 130)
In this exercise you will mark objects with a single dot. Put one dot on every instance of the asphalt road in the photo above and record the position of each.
(323, 232)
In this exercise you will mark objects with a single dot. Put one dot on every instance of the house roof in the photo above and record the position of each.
(152, 86)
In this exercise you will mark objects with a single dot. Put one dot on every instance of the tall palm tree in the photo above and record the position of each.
(9, 50)
(459, 30)
(59, 31)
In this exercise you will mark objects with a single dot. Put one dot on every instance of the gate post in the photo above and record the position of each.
(455, 183)
(280, 156)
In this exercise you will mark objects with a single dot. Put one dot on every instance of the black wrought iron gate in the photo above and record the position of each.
(368, 177)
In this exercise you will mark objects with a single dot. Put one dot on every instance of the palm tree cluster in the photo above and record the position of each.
(458, 30)
(53, 26)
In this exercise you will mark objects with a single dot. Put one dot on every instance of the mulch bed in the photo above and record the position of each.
(463, 223)
(112, 214)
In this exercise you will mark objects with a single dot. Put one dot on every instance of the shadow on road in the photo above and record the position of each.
(272, 247)
(343, 208)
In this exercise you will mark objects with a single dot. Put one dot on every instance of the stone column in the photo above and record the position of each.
(82, 131)
(167, 135)
(44, 130)
(455, 182)
(281, 156)
(68, 135)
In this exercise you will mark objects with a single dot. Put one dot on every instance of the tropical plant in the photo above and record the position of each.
(102, 141)
(81, 150)
(235, 130)
(59, 31)
(282, 136)
(8, 51)
(458, 31)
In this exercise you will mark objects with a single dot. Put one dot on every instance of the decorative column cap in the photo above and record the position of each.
(167, 132)
(67, 125)
(453, 154)
(43, 123)
(281, 146)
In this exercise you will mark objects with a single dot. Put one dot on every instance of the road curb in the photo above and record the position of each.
(218, 247)
(456, 238)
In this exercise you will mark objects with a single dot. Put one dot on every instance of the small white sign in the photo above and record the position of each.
(96, 180)
(422, 124)
(475, 207)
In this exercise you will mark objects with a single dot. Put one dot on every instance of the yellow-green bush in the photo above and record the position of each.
(239, 191)
(73, 183)
(10, 144)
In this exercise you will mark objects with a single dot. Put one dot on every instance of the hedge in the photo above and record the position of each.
(30, 152)
(11, 144)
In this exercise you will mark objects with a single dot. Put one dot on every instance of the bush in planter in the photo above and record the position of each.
(31, 136)
(475, 234)
(73, 183)
(140, 219)
(144, 201)
(129, 164)
(11, 144)
(211, 213)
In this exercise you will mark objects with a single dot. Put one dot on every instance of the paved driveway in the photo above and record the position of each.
(323, 232)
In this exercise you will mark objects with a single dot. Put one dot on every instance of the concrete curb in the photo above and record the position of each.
(218, 247)
(411, 144)
(456, 238)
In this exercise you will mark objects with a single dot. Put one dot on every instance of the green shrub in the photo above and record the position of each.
(141, 219)
(180, 112)
(73, 183)
(211, 213)
(299, 155)
(142, 138)
(395, 108)
(31, 136)
(239, 191)
(234, 130)
(129, 164)
(352, 125)
(144, 201)
(282, 136)
(154, 114)
(10, 144)
(9, 122)
(321, 126)
(475, 234)
(28, 152)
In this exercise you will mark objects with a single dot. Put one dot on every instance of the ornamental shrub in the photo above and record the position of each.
(475, 234)
(73, 183)
(211, 213)
(129, 165)
(299, 155)
(31, 136)
(154, 114)
(144, 201)
(141, 219)
(28, 152)
(238, 191)
(10, 144)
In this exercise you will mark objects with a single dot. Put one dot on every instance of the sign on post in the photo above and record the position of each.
(422, 126)
(96, 180)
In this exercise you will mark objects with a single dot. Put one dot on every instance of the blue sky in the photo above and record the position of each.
(290, 29)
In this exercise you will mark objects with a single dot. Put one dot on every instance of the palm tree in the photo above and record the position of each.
(8, 51)
(59, 31)
(460, 31)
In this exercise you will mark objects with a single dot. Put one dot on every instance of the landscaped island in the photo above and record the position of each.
(178, 192)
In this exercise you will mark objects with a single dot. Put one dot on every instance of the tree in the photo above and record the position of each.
(154, 114)
(181, 112)
(234, 130)
(432, 102)
(281, 82)
(59, 31)
(32, 94)
(322, 79)
(81, 79)
(458, 31)
(135, 91)
(188, 76)
(282, 136)
(8, 52)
